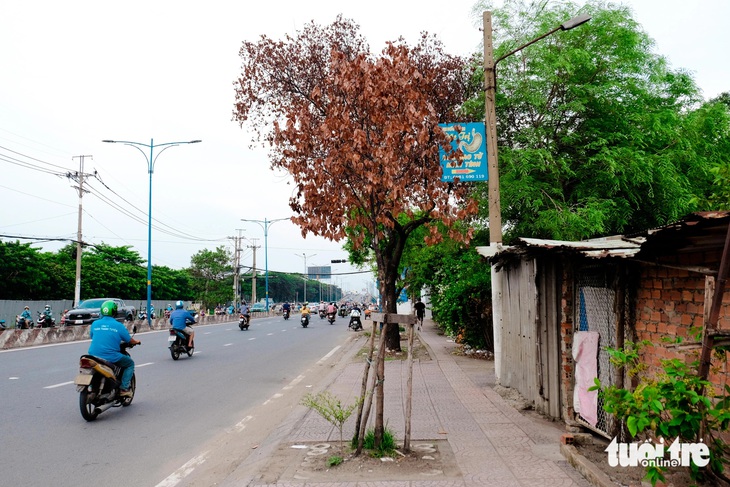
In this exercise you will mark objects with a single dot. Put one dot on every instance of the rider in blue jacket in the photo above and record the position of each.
(106, 336)
(180, 318)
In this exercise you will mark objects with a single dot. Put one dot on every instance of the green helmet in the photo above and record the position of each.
(109, 308)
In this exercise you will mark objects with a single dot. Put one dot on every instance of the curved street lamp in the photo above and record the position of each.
(265, 224)
(490, 117)
(150, 169)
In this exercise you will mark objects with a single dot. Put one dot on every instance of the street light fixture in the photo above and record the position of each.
(490, 115)
(265, 224)
(304, 256)
(150, 169)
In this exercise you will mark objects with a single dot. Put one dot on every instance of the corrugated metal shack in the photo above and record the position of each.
(645, 286)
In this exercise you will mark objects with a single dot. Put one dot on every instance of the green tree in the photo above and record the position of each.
(22, 272)
(597, 135)
(113, 271)
(212, 276)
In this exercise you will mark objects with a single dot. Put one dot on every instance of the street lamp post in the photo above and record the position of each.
(150, 169)
(265, 224)
(304, 256)
(490, 116)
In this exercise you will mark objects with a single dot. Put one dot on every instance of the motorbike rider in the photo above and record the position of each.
(355, 317)
(47, 313)
(286, 307)
(26, 316)
(305, 310)
(245, 310)
(331, 309)
(106, 334)
(180, 318)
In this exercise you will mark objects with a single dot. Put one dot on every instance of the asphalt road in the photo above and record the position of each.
(178, 407)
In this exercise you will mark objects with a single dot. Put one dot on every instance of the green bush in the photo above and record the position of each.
(677, 404)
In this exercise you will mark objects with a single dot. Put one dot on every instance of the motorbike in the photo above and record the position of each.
(178, 344)
(45, 321)
(331, 317)
(322, 314)
(355, 322)
(142, 316)
(286, 314)
(98, 384)
(343, 310)
(23, 324)
(305, 320)
(243, 322)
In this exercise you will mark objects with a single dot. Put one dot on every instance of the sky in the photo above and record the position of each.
(78, 72)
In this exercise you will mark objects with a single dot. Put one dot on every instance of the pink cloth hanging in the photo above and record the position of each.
(585, 355)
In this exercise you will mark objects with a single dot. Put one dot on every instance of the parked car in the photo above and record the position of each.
(90, 310)
(258, 307)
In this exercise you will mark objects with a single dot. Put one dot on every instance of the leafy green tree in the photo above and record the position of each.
(457, 279)
(22, 271)
(113, 271)
(597, 135)
(172, 284)
(212, 276)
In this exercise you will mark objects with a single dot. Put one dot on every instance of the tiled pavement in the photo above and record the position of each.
(453, 399)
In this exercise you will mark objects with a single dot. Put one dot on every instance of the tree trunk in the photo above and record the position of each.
(379, 398)
(409, 391)
(390, 305)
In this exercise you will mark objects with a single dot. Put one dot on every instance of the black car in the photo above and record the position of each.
(90, 311)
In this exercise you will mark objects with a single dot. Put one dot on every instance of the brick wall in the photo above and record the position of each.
(669, 304)
(567, 366)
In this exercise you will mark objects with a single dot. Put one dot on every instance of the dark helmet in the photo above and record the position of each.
(179, 305)
(109, 308)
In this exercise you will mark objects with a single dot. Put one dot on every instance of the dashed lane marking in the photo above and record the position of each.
(59, 385)
(178, 475)
(331, 352)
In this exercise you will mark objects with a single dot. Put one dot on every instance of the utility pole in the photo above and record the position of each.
(79, 179)
(236, 267)
(253, 270)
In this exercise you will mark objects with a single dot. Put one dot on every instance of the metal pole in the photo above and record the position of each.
(266, 261)
(150, 166)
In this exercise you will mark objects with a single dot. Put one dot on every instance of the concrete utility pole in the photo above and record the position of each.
(79, 179)
(253, 270)
(237, 268)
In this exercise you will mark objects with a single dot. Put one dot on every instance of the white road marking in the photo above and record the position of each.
(269, 334)
(252, 339)
(207, 333)
(331, 352)
(241, 425)
(59, 385)
(13, 378)
(227, 344)
(293, 383)
(182, 472)
(144, 364)
(275, 396)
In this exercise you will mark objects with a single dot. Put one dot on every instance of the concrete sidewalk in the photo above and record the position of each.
(491, 443)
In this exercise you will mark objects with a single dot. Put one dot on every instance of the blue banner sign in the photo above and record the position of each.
(471, 139)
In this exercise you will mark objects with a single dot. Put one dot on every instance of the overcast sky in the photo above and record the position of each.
(74, 73)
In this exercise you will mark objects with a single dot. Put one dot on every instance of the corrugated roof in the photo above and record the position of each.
(696, 232)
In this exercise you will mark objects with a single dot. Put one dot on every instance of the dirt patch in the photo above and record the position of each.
(420, 352)
(594, 451)
(429, 460)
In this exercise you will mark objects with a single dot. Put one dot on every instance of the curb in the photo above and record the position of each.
(586, 468)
